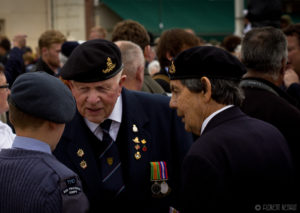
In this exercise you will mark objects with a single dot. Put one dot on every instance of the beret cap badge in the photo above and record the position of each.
(172, 69)
(110, 66)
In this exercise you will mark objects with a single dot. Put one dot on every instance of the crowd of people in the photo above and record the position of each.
(90, 127)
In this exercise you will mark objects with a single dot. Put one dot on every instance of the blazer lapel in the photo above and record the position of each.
(81, 153)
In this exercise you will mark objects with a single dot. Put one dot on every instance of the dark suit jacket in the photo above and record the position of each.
(14, 65)
(166, 141)
(237, 163)
(276, 109)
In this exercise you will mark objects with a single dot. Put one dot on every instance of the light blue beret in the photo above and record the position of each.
(43, 96)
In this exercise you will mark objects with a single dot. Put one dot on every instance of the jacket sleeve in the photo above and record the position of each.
(15, 65)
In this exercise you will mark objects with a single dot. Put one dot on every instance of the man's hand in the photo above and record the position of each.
(290, 77)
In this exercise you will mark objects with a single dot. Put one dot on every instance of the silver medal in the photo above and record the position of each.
(164, 188)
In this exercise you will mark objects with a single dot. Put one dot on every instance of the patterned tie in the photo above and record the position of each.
(110, 163)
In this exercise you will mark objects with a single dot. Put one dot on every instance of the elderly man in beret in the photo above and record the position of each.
(31, 178)
(126, 146)
(238, 163)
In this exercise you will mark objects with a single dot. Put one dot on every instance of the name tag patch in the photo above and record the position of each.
(70, 186)
(73, 190)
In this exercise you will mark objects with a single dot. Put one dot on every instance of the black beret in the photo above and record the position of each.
(43, 96)
(68, 47)
(208, 61)
(92, 61)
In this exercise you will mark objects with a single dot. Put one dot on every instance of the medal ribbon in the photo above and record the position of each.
(159, 171)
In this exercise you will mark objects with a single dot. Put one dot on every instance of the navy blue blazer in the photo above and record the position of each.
(238, 164)
(166, 141)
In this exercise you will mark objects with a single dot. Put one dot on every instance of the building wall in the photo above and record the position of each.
(69, 18)
(33, 17)
(106, 18)
(30, 18)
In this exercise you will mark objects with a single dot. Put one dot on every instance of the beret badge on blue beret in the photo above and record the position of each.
(110, 66)
(172, 68)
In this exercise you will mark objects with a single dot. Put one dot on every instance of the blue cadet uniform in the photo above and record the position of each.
(151, 141)
(31, 179)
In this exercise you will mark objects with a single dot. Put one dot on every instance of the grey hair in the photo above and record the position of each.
(132, 57)
(222, 91)
(263, 50)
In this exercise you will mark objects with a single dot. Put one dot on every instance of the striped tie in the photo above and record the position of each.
(110, 163)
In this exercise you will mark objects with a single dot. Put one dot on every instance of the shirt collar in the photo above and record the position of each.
(116, 115)
(31, 144)
(213, 115)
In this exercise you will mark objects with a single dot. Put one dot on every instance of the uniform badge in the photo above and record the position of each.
(159, 177)
(83, 164)
(110, 160)
(134, 128)
(136, 140)
(109, 66)
(71, 187)
(137, 155)
(172, 68)
(137, 147)
(80, 152)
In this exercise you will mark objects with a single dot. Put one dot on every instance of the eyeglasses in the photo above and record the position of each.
(5, 86)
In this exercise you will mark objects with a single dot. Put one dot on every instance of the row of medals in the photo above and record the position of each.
(138, 144)
(159, 188)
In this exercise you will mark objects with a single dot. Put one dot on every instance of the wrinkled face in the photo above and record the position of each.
(51, 55)
(293, 54)
(95, 101)
(4, 92)
(189, 106)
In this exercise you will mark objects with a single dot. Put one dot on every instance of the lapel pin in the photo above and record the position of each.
(83, 164)
(134, 128)
(136, 140)
(110, 160)
(137, 155)
(80, 152)
(137, 147)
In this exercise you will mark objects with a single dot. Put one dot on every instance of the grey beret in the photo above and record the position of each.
(43, 96)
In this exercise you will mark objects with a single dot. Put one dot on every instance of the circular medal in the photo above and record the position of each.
(155, 188)
(164, 188)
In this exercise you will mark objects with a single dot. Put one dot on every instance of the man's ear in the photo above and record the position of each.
(283, 66)
(168, 56)
(122, 80)
(44, 51)
(147, 52)
(207, 88)
(139, 76)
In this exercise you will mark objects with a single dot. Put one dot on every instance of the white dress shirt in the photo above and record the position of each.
(115, 116)
(6, 136)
